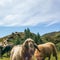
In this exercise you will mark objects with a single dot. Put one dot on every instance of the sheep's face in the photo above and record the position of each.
(30, 45)
(40, 58)
(38, 55)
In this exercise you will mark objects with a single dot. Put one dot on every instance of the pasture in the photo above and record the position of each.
(52, 58)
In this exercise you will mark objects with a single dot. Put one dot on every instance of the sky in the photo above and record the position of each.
(41, 16)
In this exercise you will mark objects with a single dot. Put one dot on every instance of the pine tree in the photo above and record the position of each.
(38, 39)
(27, 33)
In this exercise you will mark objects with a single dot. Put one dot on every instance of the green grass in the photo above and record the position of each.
(52, 58)
(4, 58)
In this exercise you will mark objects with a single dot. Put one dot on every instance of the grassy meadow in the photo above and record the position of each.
(52, 58)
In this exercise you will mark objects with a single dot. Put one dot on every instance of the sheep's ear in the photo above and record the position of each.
(35, 45)
(25, 44)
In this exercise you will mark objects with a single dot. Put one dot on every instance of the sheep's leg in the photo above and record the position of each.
(7, 54)
(43, 59)
(56, 57)
(49, 58)
(0, 53)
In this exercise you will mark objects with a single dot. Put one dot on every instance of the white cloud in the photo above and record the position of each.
(4, 2)
(29, 12)
(53, 22)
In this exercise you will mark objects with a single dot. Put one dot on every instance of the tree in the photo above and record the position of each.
(27, 33)
(38, 39)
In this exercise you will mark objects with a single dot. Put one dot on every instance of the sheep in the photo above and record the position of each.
(24, 51)
(45, 51)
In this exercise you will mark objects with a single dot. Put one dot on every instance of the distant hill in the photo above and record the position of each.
(53, 37)
(19, 37)
(13, 35)
(48, 37)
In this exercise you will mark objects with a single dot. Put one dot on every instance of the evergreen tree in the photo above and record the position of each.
(35, 39)
(38, 39)
(27, 33)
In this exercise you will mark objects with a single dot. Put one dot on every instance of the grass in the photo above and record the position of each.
(52, 58)
(4, 58)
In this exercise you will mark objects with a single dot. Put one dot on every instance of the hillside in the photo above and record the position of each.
(13, 36)
(19, 37)
(53, 37)
(48, 37)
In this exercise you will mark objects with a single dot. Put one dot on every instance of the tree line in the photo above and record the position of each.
(27, 34)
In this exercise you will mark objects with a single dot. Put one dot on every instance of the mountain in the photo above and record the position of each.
(52, 37)
(19, 37)
(48, 37)
(13, 35)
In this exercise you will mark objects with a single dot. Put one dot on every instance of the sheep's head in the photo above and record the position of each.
(38, 55)
(30, 45)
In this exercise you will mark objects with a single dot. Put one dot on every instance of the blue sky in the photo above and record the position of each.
(41, 16)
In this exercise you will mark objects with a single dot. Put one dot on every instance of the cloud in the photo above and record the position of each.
(29, 12)
(4, 2)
